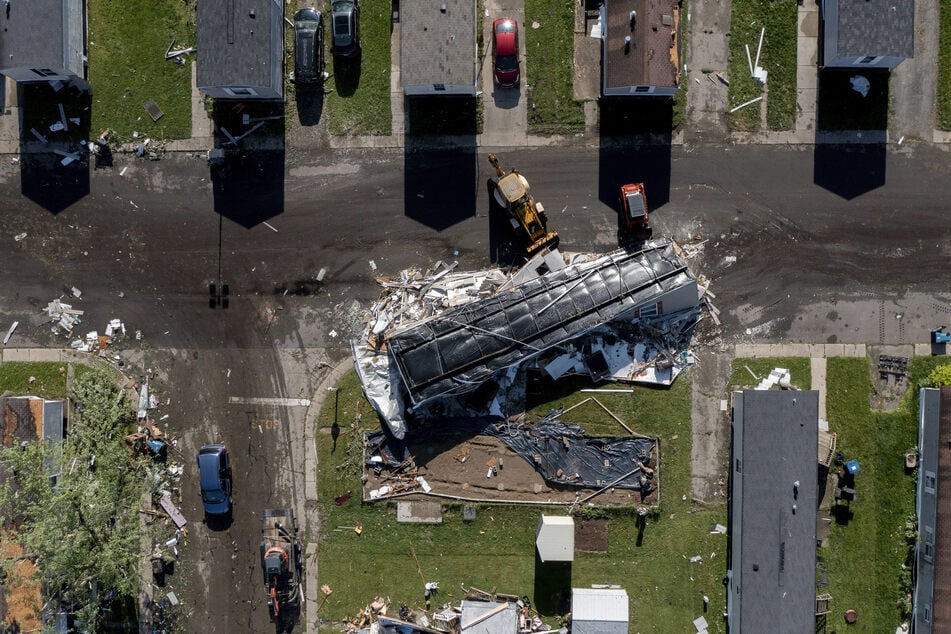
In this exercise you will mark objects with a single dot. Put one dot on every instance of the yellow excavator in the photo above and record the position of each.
(512, 193)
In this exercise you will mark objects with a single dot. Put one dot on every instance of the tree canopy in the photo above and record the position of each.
(73, 506)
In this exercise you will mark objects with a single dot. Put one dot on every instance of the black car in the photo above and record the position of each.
(308, 46)
(345, 16)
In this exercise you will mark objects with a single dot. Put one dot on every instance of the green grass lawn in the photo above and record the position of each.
(549, 65)
(127, 67)
(497, 551)
(800, 371)
(360, 99)
(778, 58)
(49, 379)
(944, 67)
(866, 552)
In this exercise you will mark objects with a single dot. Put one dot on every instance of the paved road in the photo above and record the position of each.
(811, 265)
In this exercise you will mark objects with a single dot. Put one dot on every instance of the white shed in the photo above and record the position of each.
(555, 538)
(599, 611)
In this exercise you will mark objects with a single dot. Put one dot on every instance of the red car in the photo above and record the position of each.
(505, 51)
(634, 206)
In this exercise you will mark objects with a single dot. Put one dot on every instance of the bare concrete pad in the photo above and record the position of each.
(419, 512)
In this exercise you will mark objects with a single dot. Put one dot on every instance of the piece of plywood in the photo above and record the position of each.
(172, 511)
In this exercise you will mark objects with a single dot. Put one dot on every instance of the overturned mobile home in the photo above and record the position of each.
(626, 315)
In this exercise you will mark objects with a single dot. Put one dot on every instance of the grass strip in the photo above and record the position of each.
(777, 57)
(127, 68)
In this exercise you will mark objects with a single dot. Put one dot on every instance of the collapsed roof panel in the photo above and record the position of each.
(460, 348)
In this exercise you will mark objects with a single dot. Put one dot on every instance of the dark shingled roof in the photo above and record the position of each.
(876, 27)
(438, 47)
(241, 44)
(773, 546)
(43, 34)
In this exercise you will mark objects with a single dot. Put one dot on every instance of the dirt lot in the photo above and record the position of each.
(515, 480)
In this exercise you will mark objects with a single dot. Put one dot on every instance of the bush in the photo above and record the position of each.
(940, 376)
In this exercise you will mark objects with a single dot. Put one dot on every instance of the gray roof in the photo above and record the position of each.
(599, 611)
(461, 348)
(931, 609)
(488, 617)
(929, 412)
(654, 55)
(870, 27)
(772, 567)
(241, 45)
(438, 47)
(44, 34)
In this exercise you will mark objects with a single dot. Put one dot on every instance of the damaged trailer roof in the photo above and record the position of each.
(459, 349)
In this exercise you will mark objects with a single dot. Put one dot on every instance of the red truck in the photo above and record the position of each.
(634, 208)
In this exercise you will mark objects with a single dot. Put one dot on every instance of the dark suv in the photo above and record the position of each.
(214, 476)
(345, 24)
(308, 46)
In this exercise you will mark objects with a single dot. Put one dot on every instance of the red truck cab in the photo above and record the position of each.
(634, 206)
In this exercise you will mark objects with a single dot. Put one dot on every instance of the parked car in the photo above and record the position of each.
(345, 25)
(214, 476)
(634, 207)
(308, 46)
(505, 51)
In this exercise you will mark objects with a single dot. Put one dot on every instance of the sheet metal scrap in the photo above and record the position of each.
(443, 333)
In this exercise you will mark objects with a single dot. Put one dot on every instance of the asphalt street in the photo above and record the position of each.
(800, 244)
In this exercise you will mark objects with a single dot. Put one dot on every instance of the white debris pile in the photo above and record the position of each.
(65, 321)
(417, 295)
(63, 317)
(646, 350)
(778, 376)
(98, 343)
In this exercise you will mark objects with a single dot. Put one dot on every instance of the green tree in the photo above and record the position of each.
(940, 376)
(73, 507)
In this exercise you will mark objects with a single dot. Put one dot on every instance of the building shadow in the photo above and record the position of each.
(439, 160)
(54, 136)
(636, 136)
(247, 162)
(851, 131)
(310, 104)
(552, 589)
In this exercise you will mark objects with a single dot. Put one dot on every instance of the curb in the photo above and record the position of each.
(310, 514)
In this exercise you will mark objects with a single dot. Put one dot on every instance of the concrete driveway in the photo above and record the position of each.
(504, 110)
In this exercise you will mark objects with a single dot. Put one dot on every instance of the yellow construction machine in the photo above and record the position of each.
(512, 193)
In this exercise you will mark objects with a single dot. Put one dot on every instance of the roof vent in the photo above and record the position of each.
(442, 8)
(251, 13)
